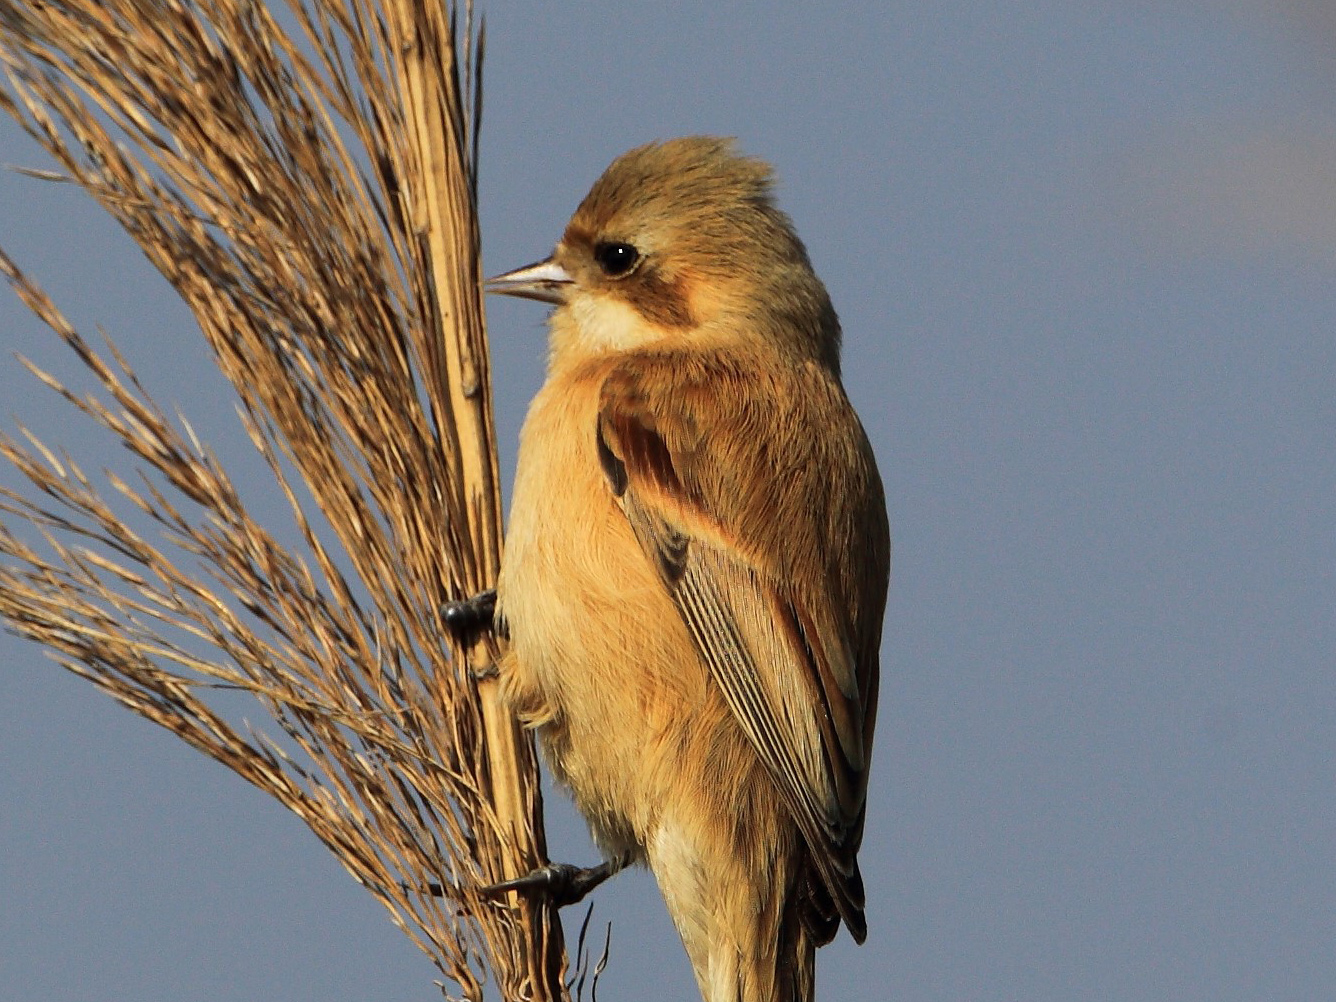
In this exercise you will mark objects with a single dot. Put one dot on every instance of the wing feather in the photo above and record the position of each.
(796, 666)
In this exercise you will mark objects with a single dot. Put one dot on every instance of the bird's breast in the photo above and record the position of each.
(599, 658)
(592, 628)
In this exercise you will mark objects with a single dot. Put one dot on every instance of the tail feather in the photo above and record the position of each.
(817, 908)
(795, 979)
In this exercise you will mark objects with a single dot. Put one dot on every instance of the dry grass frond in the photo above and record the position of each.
(309, 191)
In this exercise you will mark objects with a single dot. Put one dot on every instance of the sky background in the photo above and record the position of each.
(1085, 258)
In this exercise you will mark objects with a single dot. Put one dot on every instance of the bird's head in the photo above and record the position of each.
(680, 242)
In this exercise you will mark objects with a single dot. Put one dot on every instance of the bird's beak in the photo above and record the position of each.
(546, 281)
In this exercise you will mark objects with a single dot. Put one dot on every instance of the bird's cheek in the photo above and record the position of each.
(707, 299)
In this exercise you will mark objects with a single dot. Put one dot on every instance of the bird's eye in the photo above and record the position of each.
(615, 258)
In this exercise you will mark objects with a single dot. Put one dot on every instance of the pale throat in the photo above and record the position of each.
(592, 324)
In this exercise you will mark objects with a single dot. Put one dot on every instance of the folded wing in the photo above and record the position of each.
(769, 533)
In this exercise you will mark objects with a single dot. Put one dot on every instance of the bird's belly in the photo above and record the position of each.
(599, 658)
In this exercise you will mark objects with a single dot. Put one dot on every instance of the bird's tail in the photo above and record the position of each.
(795, 975)
(780, 966)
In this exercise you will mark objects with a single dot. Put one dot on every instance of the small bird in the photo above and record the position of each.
(696, 564)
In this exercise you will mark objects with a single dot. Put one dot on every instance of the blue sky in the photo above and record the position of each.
(1084, 257)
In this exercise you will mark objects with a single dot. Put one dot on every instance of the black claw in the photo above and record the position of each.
(471, 614)
(562, 883)
(434, 889)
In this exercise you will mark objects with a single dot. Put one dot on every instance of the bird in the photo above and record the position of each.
(696, 562)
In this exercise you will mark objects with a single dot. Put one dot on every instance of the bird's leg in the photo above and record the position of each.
(562, 883)
(470, 614)
(468, 618)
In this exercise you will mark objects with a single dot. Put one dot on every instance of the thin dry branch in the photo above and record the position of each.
(310, 192)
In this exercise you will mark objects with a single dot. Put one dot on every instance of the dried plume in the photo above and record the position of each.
(305, 178)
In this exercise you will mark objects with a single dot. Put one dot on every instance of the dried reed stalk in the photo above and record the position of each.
(308, 187)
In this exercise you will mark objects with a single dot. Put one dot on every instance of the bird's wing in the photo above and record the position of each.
(754, 525)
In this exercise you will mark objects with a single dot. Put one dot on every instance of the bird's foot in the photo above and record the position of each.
(562, 883)
(471, 614)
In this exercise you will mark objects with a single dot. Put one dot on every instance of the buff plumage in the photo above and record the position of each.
(696, 564)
